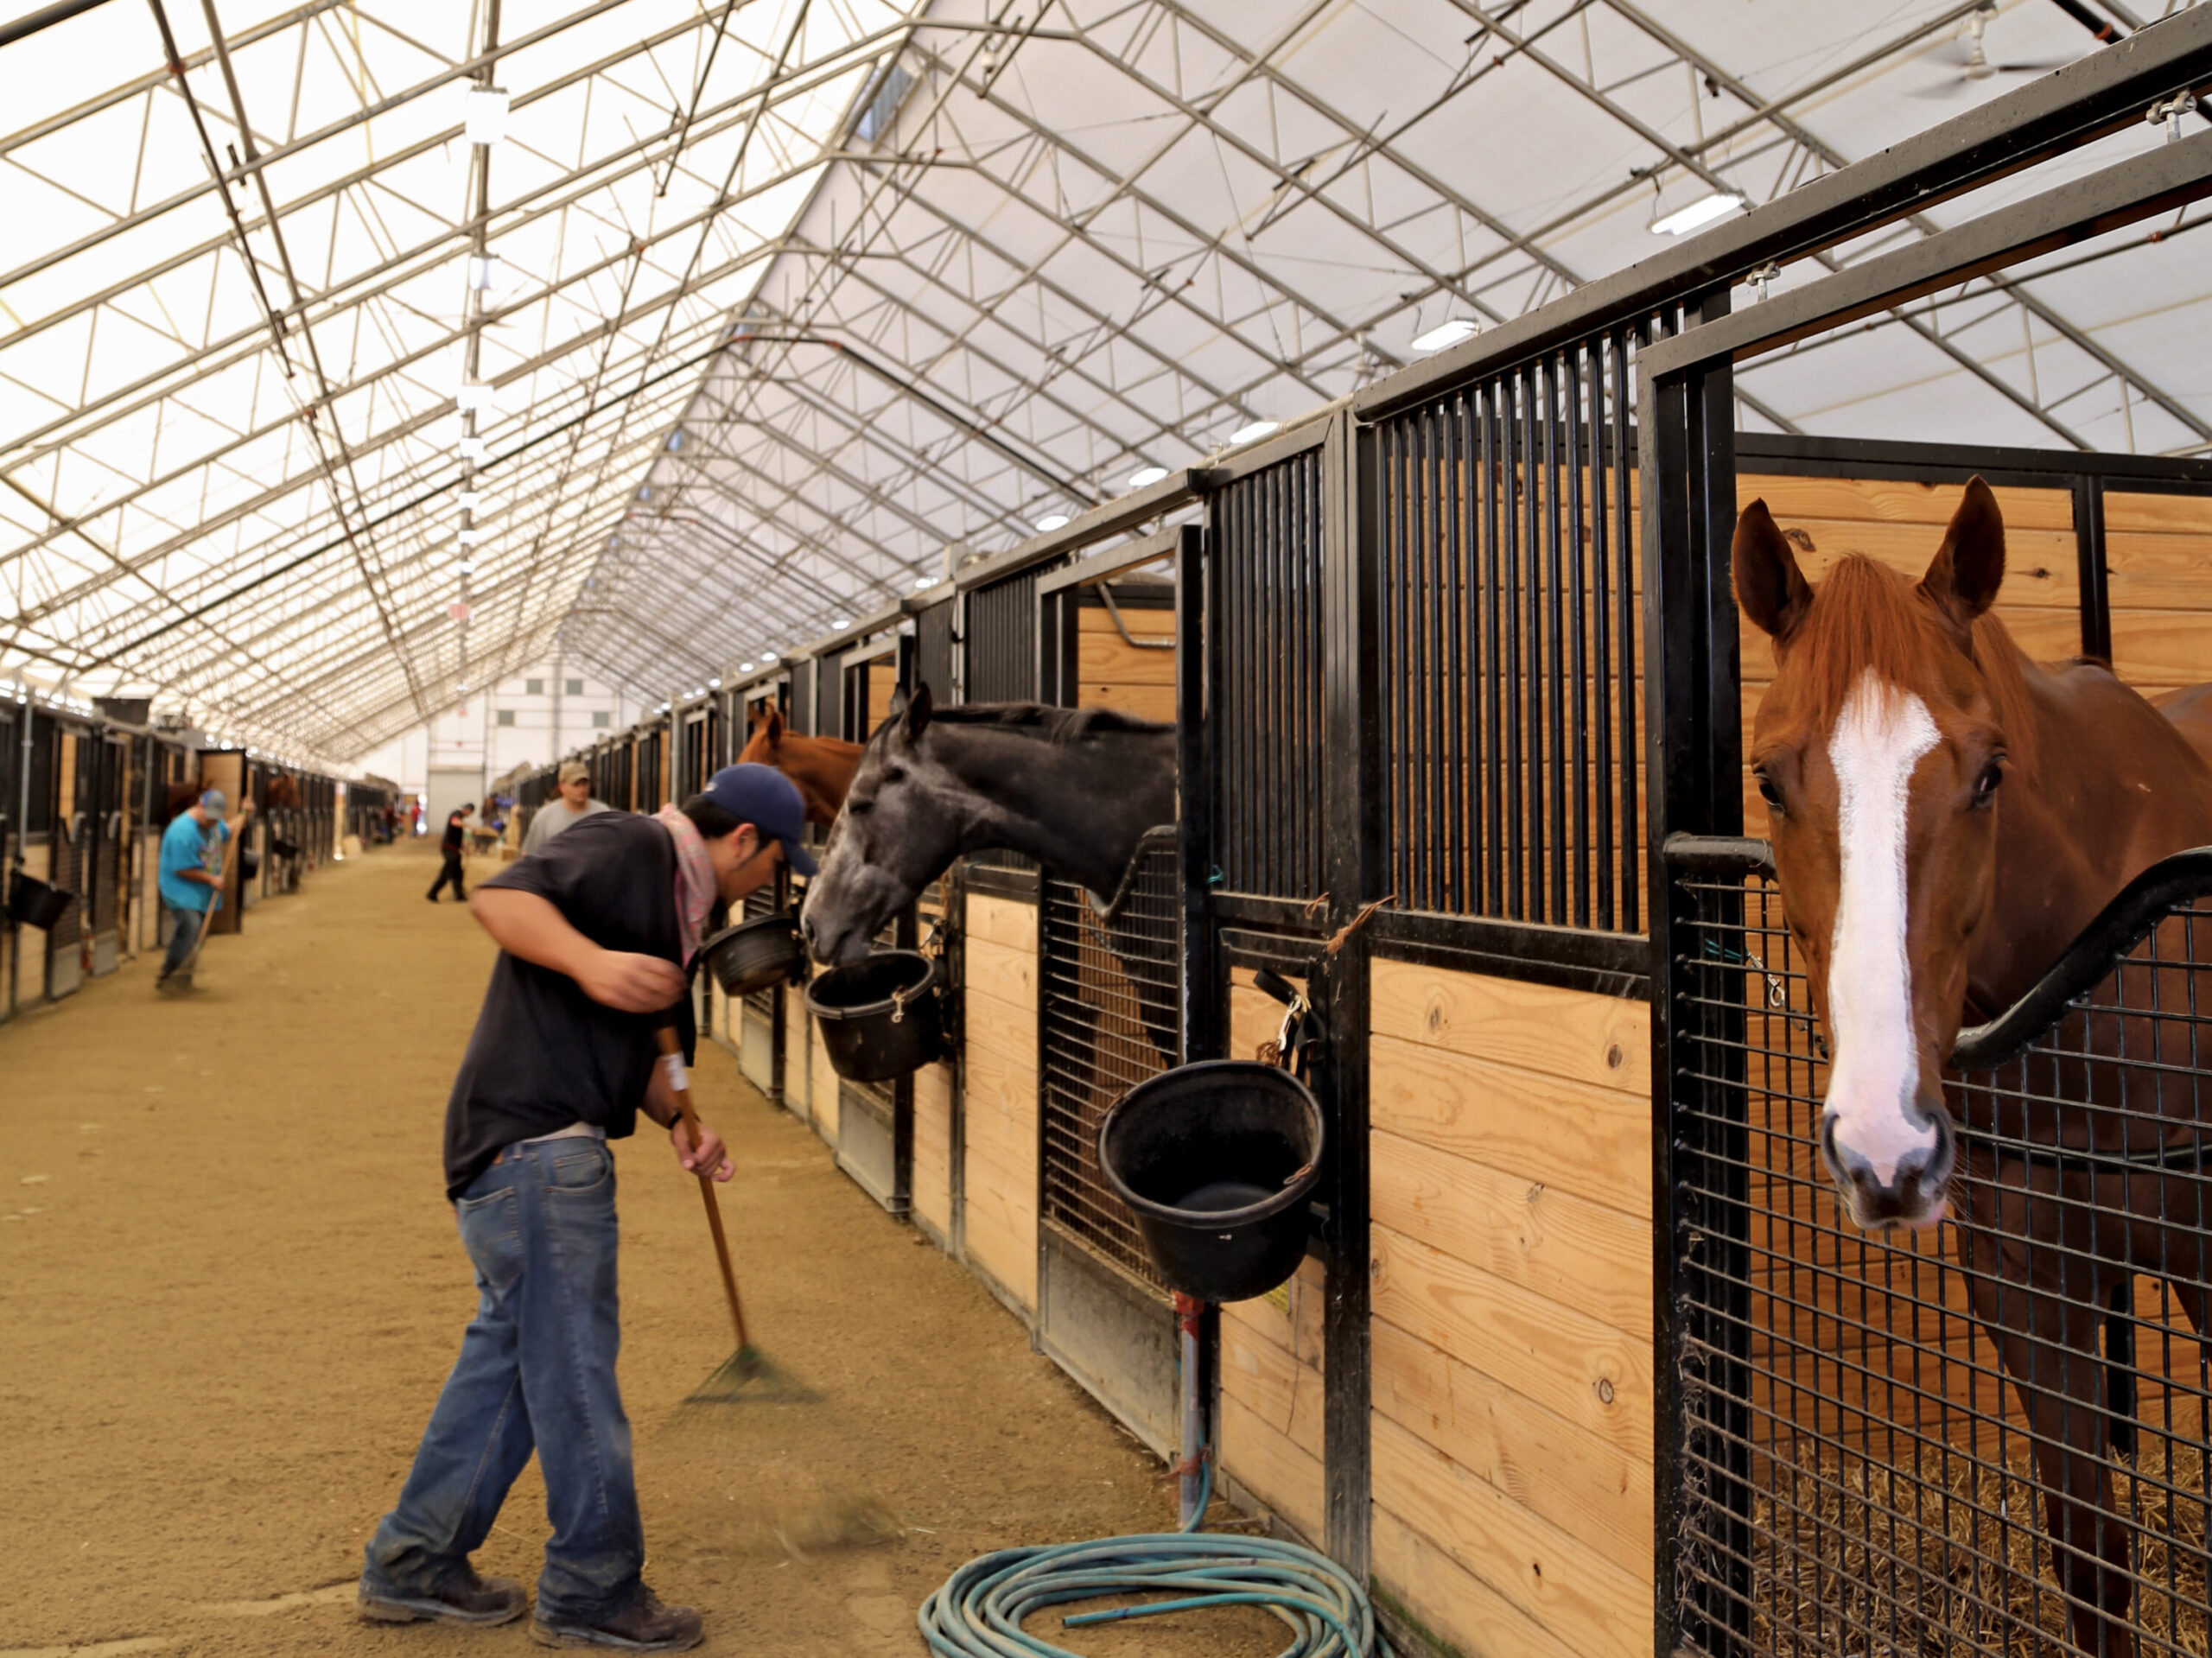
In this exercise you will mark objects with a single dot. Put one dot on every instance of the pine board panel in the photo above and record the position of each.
(1551, 1241)
(932, 1176)
(1451, 1601)
(1578, 1483)
(1274, 1469)
(1576, 1367)
(1595, 1608)
(1569, 1034)
(1595, 1142)
(1005, 922)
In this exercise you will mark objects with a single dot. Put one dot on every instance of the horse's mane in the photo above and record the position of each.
(1866, 615)
(1046, 723)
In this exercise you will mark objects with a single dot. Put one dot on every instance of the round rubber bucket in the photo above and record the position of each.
(38, 904)
(280, 847)
(755, 954)
(880, 1017)
(249, 862)
(1217, 1160)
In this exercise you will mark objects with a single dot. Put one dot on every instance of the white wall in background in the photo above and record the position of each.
(494, 730)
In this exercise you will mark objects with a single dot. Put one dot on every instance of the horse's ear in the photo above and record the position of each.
(772, 723)
(915, 716)
(1770, 587)
(1969, 567)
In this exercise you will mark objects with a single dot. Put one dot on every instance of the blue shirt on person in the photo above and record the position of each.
(185, 845)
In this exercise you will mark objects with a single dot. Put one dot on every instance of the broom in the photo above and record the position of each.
(747, 1374)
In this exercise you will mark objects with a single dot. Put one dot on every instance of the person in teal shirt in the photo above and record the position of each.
(192, 876)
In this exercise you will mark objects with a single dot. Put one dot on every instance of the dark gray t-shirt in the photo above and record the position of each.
(543, 1054)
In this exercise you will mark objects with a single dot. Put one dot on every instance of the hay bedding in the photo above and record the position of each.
(1944, 1556)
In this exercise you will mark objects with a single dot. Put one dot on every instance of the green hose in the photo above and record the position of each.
(979, 1611)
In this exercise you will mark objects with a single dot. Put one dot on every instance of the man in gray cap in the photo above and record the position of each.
(573, 806)
(192, 876)
(595, 934)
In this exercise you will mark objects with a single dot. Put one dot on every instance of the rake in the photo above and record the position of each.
(746, 1374)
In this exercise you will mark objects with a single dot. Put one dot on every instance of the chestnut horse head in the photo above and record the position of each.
(820, 767)
(1882, 750)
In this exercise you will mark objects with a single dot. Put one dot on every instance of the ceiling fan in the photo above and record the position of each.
(1968, 52)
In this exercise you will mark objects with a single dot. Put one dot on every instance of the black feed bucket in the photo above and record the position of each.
(880, 1017)
(280, 847)
(755, 954)
(1217, 1161)
(34, 903)
(249, 862)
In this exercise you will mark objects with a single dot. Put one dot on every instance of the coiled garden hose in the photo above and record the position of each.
(979, 1611)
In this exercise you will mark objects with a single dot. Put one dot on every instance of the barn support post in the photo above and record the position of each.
(1687, 465)
(1351, 807)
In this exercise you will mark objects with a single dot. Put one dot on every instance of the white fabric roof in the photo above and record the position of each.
(792, 294)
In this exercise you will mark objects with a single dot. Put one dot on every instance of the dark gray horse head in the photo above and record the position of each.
(1076, 789)
(900, 830)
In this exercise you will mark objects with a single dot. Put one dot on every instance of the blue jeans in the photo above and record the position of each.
(185, 929)
(537, 1369)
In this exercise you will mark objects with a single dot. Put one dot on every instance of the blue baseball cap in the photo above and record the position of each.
(765, 797)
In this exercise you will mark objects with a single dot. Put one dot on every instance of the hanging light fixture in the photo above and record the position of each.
(471, 500)
(1256, 431)
(1144, 477)
(1450, 332)
(471, 449)
(1051, 522)
(1705, 210)
(473, 396)
(484, 272)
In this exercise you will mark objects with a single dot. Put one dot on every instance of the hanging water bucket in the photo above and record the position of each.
(1217, 1161)
(249, 862)
(880, 1017)
(755, 954)
(34, 903)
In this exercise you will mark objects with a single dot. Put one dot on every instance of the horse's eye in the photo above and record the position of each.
(1984, 786)
(859, 808)
(1770, 791)
(894, 775)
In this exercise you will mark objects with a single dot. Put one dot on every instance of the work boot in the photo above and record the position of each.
(467, 1599)
(644, 1625)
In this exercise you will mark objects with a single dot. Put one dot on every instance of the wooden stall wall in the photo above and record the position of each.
(1112, 673)
(999, 1101)
(1512, 1426)
(1269, 1434)
(2158, 575)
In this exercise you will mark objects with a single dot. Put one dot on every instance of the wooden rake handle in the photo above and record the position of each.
(679, 1084)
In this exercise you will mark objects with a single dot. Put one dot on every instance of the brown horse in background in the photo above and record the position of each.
(1948, 817)
(821, 767)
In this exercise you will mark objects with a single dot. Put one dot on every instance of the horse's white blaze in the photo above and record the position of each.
(1878, 739)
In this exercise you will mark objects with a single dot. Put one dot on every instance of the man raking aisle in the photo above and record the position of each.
(191, 880)
(594, 931)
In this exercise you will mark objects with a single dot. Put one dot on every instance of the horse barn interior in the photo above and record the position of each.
(1295, 1101)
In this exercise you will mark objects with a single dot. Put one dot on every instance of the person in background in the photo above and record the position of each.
(595, 933)
(574, 805)
(449, 845)
(191, 878)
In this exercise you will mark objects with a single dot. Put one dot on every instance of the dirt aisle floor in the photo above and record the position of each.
(229, 1289)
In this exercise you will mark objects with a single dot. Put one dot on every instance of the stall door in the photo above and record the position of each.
(108, 846)
(75, 761)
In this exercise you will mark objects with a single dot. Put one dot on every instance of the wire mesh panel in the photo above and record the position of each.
(1110, 995)
(1266, 539)
(1989, 1438)
(1506, 524)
